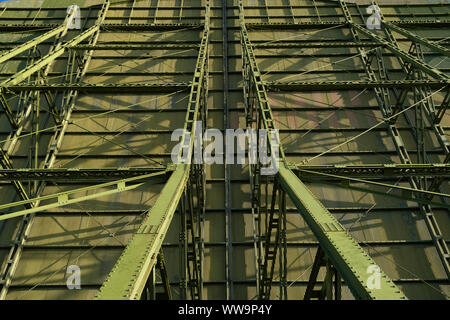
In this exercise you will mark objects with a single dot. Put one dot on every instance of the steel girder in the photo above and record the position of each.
(8, 111)
(76, 174)
(271, 86)
(376, 170)
(106, 174)
(103, 87)
(353, 85)
(104, 46)
(335, 44)
(326, 24)
(128, 277)
(347, 256)
(385, 107)
(413, 61)
(415, 191)
(149, 26)
(149, 292)
(105, 27)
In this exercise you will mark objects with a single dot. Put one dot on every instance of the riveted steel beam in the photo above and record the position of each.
(150, 26)
(76, 174)
(352, 85)
(292, 26)
(326, 24)
(375, 170)
(32, 27)
(129, 276)
(334, 44)
(351, 261)
(103, 87)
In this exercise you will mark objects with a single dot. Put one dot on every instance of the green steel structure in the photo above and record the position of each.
(355, 119)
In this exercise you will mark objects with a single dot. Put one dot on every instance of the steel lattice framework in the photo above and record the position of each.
(47, 77)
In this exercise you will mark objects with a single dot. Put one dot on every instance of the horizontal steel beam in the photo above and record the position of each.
(271, 86)
(129, 275)
(294, 26)
(327, 24)
(347, 256)
(312, 44)
(104, 88)
(44, 61)
(33, 27)
(352, 85)
(149, 26)
(416, 38)
(375, 170)
(76, 174)
(135, 46)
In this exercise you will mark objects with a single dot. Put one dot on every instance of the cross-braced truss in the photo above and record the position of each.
(156, 67)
